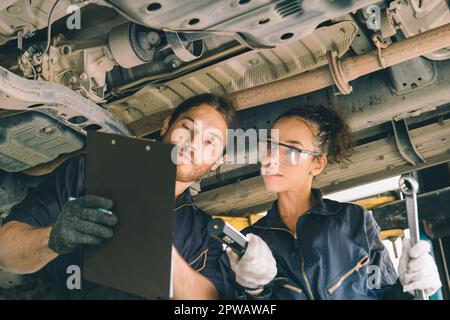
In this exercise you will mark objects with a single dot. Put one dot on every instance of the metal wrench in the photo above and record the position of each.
(409, 188)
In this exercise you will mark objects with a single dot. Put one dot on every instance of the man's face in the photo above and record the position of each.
(200, 135)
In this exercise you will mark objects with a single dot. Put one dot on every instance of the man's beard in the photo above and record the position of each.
(190, 173)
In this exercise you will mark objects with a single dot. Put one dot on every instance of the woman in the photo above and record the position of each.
(323, 249)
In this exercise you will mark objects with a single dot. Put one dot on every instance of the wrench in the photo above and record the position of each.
(409, 188)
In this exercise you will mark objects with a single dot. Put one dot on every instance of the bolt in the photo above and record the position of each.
(65, 50)
(170, 60)
(391, 166)
(37, 58)
(83, 76)
(72, 79)
(59, 38)
(153, 38)
(48, 130)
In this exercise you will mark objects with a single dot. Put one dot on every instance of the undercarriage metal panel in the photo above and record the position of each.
(414, 19)
(28, 16)
(373, 101)
(57, 102)
(266, 22)
(28, 139)
(245, 71)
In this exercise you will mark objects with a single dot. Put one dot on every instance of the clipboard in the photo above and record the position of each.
(139, 176)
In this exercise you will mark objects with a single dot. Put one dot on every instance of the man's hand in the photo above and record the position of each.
(256, 268)
(81, 223)
(417, 269)
(189, 284)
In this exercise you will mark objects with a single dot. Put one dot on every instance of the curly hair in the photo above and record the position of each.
(332, 134)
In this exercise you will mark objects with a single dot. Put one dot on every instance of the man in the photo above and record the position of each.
(46, 232)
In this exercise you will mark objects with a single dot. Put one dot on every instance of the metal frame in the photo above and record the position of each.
(404, 143)
(57, 102)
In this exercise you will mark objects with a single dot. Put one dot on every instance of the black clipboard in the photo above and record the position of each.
(139, 176)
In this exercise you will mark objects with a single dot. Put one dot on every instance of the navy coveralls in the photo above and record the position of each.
(336, 253)
(44, 203)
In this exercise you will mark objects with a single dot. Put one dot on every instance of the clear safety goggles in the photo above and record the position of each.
(284, 153)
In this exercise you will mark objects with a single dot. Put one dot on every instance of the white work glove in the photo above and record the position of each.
(256, 268)
(417, 269)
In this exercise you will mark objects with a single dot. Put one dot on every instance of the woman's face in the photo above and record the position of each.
(284, 169)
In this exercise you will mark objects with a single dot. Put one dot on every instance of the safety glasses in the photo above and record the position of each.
(286, 154)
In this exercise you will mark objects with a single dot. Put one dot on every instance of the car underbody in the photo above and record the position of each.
(71, 66)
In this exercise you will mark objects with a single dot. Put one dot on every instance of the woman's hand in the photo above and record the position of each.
(417, 269)
(256, 268)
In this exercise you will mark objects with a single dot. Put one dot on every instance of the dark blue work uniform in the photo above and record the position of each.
(336, 254)
(44, 203)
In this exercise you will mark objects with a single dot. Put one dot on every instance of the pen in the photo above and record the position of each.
(98, 209)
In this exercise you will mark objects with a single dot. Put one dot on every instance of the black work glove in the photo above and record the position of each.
(81, 223)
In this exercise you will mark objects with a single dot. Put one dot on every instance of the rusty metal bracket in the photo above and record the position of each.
(181, 50)
(337, 73)
(404, 143)
(380, 46)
